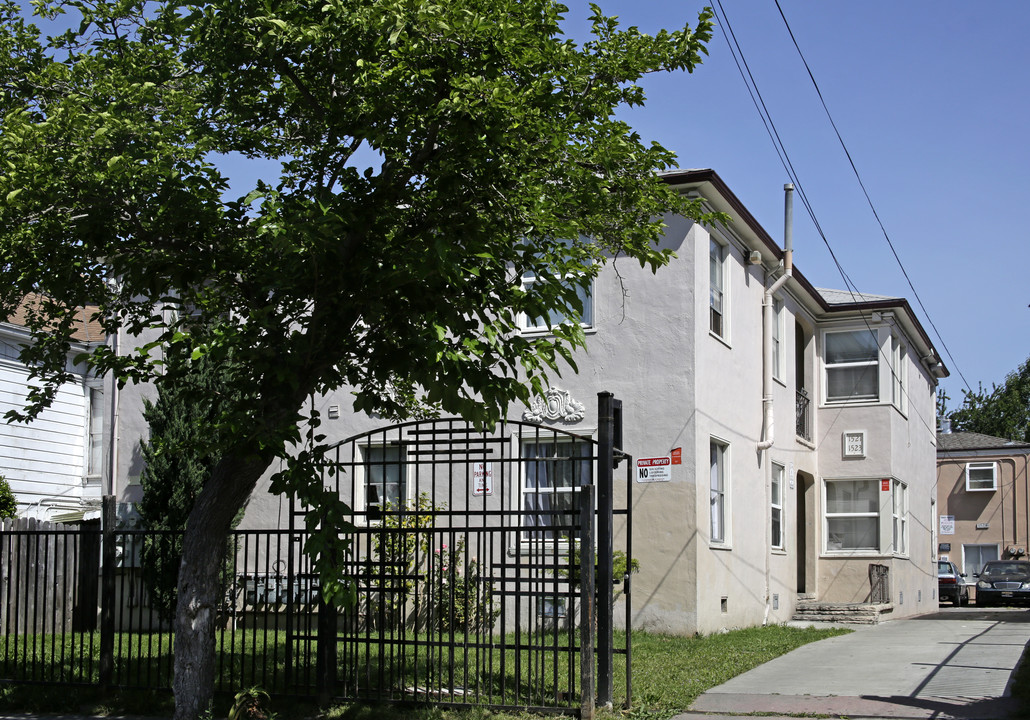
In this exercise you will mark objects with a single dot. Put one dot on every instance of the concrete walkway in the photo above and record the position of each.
(953, 664)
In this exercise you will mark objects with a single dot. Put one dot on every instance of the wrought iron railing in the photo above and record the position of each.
(804, 415)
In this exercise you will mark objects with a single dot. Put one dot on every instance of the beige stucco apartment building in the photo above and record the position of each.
(981, 498)
(803, 418)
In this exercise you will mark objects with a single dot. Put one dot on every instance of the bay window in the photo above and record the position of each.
(852, 360)
(852, 515)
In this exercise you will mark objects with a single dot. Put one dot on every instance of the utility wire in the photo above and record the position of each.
(781, 151)
(868, 199)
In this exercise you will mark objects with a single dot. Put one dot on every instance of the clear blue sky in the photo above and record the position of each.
(931, 98)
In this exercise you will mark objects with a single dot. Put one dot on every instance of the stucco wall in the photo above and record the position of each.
(1004, 511)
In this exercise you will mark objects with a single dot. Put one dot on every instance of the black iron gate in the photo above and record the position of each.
(472, 554)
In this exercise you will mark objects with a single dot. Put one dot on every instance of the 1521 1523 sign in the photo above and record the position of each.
(656, 469)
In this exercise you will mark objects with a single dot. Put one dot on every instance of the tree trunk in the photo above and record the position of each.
(203, 550)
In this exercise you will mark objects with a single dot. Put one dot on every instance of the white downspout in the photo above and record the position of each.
(768, 429)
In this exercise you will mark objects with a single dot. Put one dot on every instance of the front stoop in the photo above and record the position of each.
(851, 613)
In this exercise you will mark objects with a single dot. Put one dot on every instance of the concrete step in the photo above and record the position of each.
(850, 613)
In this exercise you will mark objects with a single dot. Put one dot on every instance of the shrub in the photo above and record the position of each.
(8, 503)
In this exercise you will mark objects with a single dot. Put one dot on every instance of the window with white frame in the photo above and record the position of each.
(852, 361)
(981, 476)
(974, 557)
(899, 371)
(717, 490)
(776, 506)
(385, 482)
(552, 470)
(545, 322)
(778, 355)
(717, 287)
(852, 515)
(899, 512)
(95, 456)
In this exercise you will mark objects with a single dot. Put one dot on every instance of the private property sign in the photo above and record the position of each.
(656, 469)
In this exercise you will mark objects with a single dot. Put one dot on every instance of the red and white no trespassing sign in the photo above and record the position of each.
(656, 469)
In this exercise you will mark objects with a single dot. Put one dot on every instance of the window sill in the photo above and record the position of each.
(850, 403)
(993, 489)
(779, 551)
(805, 443)
(719, 546)
(855, 555)
(720, 338)
(534, 333)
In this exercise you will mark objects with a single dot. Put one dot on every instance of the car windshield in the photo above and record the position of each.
(1006, 568)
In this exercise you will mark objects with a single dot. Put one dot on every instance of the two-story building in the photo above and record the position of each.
(802, 421)
(53, 464)
(981, 499)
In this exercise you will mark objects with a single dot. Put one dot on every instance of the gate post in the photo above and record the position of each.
(107, 590)
(588, 603)
(605, 508)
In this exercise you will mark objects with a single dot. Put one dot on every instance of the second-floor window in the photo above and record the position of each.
(545, 322)
(717, 283)
(778, 359)
(852, 360)
(981, 476)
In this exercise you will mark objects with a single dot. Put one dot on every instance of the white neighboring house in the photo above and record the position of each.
(54, 463)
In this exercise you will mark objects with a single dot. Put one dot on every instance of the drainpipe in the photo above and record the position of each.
(768, 431)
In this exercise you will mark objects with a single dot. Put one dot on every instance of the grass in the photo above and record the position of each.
(668, 674)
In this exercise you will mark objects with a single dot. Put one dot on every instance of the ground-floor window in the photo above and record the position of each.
(551, 470)
(974, 557)
(776, 508)
(899, 513)
(385, 482)
(852, 515)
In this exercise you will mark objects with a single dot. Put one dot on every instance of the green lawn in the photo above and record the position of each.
(669, 673)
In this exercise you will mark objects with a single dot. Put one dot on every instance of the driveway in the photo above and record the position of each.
(956, 663)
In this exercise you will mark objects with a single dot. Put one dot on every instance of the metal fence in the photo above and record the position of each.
(472, 556)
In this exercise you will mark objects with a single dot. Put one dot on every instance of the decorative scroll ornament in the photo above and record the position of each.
(557, 404)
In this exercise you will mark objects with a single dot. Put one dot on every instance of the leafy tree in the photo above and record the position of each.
(497, 154)
(8, 503)
(179, 457)
(1004, 411)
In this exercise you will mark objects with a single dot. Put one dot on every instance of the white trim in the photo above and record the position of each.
(360, 482)
(587, 321)
(773, 506)
(521, 544)
(779, 354)
(874, 363)
(718, 255)
(993, 466)
(873, 514)
(723, 495)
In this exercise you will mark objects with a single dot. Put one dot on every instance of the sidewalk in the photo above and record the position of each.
(954, 664)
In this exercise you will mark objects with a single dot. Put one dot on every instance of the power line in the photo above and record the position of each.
(865, 192)
(781, 151)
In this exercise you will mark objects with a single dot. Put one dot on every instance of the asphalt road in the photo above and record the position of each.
(956, 663)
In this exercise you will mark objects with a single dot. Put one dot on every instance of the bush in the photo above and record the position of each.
(8, 503)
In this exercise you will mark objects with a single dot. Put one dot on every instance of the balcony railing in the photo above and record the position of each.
(804, 415)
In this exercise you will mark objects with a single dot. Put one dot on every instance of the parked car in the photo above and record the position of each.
(950, 584)
(1003, 582)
